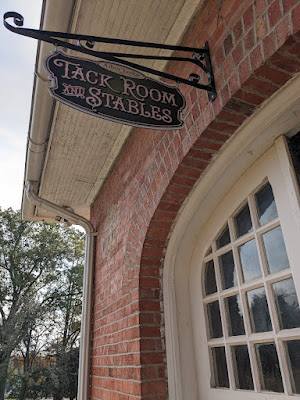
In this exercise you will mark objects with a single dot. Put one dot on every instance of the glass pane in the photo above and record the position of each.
(293, 349)
(287, 304)
(210, 278)
(266, 206)
(243, 374)
(235, 314)
(214, 318)
(227, 270)
(259, 311)
(243, 223)
(250, 261)
(269, 368)
(224, 238)
(275, 250)
(220, 367)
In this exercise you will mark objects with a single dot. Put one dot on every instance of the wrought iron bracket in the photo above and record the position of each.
(85, 44)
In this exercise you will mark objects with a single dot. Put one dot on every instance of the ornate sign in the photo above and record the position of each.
(115, 92)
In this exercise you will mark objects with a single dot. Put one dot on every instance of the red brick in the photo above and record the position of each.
(222, 127)
(196, 111)
(234, 83)
(235, 119)
(227, 67)
(283, 31)
(285, 63)
(150, 331)
(238, 54)
(274, 13)
(212, 135)
(205, 144)
(149, 305)
(228, 45)
(256, 59)
(158, 387)
(238, 31)
(208, 114)
(248, 18)
(249, 97)
(288, 4)
(269, 45)
(167, 215)
(173, 188)
(259, 7)
(225, 94)
(161, 225)
(152, 358)
(217, 107)
(219, 57)
(261, 28)
(296, 19)
(262, 87)
(240, 107)
(184, 180)
(193, 95)
(195, 163)
(157, 234)
(148, 372)
(218, 37)
(249, 41)
(188, 172)
(244, 71)
(199, 154)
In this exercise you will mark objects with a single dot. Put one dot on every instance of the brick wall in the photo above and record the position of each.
(255, 49)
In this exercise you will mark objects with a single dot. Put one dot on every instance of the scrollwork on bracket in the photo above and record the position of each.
(86, 44)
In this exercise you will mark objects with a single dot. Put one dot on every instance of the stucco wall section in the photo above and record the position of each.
(255, 49)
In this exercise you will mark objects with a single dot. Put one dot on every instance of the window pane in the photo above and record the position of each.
(243, 374)
(250, 261)
(243, 223)
(210, 278)
(287, 304)
(214, 318)
(224, 238)
(235, 314)
(269, 368)
(275, 250)
(259, 311)
(266, 206)
(293, 349)
(227, 270)
(220, 367)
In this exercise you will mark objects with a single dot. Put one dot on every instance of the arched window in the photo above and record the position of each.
(252, 309)
(250, 286)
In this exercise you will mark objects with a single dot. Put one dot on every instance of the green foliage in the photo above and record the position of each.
(41, 267)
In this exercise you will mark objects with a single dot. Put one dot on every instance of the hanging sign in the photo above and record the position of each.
(115, 92)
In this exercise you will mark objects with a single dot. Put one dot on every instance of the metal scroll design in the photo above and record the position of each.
(85, 44)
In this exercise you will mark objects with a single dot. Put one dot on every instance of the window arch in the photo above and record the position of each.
(247, 160)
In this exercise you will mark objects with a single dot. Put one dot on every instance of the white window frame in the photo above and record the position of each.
(267, 168)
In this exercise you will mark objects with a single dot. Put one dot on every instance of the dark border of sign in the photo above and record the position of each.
(54, 85)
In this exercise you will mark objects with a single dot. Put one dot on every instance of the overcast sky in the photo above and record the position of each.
(17, 59)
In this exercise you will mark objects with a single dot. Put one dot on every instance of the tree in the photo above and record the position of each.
(34, 258)
(63, 374)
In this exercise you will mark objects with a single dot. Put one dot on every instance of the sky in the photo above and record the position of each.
(17, 61)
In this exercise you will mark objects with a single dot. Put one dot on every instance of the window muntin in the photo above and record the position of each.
(254, 288)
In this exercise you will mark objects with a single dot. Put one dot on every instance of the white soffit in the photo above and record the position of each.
(81, 149)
